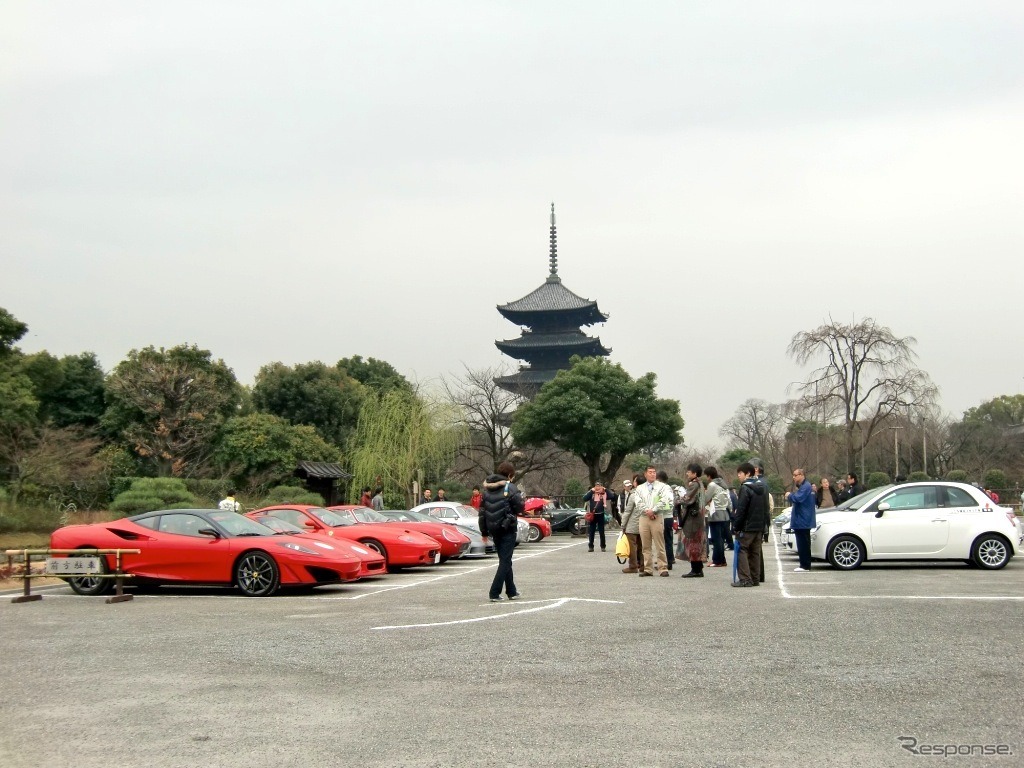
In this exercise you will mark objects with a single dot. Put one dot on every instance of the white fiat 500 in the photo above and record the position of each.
(918, 521)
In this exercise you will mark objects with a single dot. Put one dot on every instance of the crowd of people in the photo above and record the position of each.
(699, 521)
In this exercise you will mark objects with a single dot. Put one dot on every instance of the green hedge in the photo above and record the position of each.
(877, 480)
(289, 494)
(149, 493)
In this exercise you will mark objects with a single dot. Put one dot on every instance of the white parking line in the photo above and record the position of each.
(552, 603)
(786, 594)
(449, 575)
(778, 562)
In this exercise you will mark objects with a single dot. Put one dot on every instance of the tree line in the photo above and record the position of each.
(72, 433)
(866, 407)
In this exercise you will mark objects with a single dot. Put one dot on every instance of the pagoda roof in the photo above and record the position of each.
(551, 297)
(535, 342)
(526, 381)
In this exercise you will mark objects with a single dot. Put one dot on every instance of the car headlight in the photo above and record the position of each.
(452, 536)
(297, 548)
(407, 538)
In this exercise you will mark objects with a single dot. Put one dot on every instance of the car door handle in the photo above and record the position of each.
(939, 520)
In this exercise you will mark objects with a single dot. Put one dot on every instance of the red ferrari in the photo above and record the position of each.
(373, 562)
(207, 546)
(399, 545)
(450, 541)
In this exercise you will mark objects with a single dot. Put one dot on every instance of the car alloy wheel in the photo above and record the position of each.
(90, 586)
(846, 553)
(534, 534)
(991, 551)
(256, 574)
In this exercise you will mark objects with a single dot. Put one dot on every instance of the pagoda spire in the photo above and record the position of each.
(553, 258)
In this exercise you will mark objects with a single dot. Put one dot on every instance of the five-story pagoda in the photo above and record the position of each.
(551, 317)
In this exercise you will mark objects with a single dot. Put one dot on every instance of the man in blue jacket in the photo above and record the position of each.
(802, 518)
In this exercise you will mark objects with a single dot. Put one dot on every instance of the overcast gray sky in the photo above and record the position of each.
(311, 180)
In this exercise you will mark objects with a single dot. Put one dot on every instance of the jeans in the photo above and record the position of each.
(504, 543)
(718, 542)
(597, 524)
(669, 552)
(803, 546)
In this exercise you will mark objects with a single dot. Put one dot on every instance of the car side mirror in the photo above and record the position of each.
(882, 509)
(309, 524)
(208, 532)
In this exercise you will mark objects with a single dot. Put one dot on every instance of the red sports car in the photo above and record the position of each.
(373, 562)
(206, 546)
(449, 540)
(539, 527)
(399, 545)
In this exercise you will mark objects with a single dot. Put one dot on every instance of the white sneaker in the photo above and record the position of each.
(800, 570)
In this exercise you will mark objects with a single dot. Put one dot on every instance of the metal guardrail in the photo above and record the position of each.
(26, 556)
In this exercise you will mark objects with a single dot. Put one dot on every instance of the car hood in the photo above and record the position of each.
(839, 516)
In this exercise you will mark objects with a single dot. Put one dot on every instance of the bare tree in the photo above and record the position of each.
(866, 374)
(758, 426)
(486, 410)
(63, 461)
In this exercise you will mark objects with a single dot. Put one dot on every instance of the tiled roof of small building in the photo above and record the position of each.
(321, 469)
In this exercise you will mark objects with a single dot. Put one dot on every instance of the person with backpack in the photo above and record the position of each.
(719, 507)
(500, 508)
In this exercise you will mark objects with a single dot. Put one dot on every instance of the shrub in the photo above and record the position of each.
(574, 487)
(775, 484)
(209, 492)
(918, 477)
(29, 518)
(288, 494)
(877, 480)
(956, 476)
(995, 478)
(149, 493)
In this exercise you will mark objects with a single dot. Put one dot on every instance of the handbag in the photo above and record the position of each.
(589, 517)
(622, 546)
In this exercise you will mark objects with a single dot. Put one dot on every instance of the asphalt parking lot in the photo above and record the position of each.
(592, 667)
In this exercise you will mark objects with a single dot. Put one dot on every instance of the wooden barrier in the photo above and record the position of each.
(26, 556)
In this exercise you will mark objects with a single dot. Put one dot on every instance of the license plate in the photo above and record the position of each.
(73, 565)
(437, 558)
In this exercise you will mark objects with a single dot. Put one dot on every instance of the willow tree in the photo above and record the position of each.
(398, 434)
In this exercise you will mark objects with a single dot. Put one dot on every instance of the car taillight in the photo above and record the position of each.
(1011, 517)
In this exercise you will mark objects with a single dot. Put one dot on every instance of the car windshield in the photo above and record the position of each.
(417, 517)
(327, 517)
(367, 515)
(465, 511)
(861, 499)
(278, 525)
(239, 525)
(404, 516)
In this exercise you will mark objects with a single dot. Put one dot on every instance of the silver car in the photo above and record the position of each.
(461, 514)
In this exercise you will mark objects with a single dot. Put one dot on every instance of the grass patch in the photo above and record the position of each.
(43, 520)
(24, 541)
